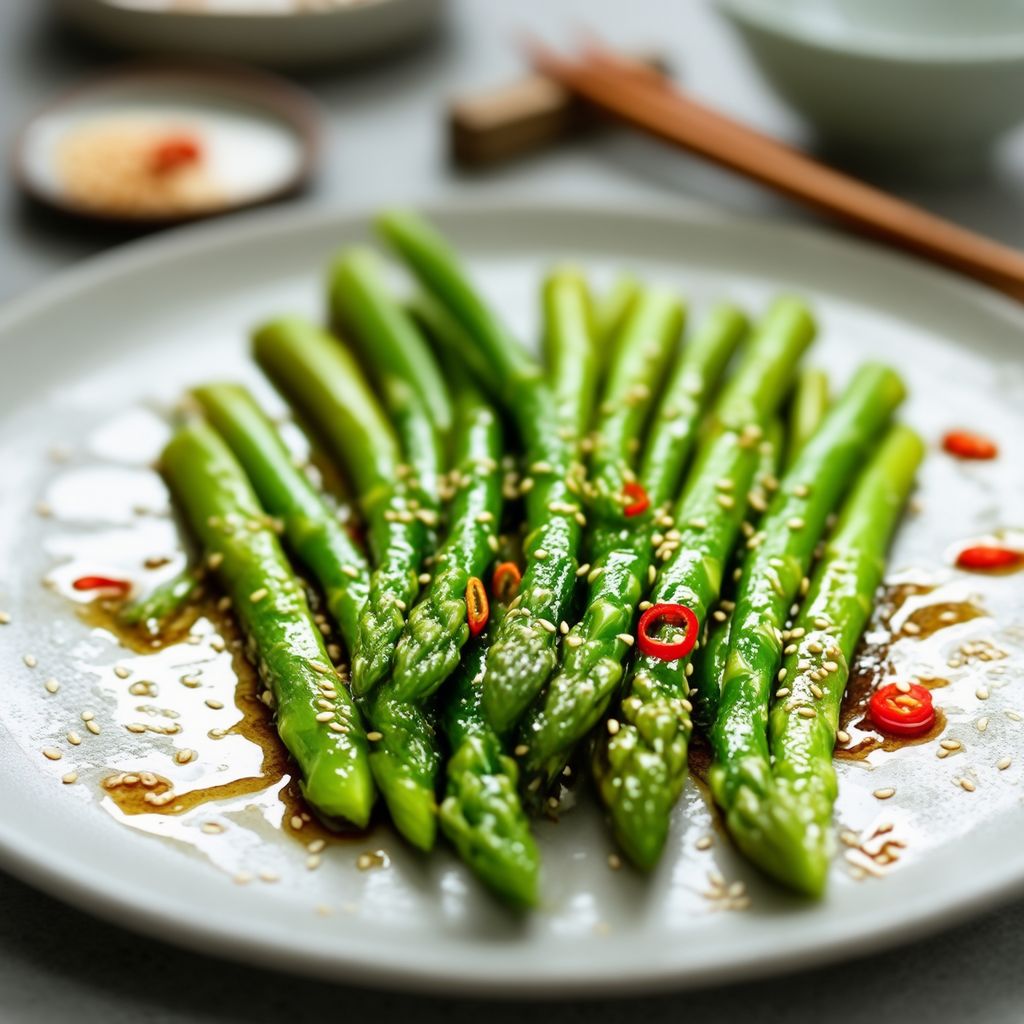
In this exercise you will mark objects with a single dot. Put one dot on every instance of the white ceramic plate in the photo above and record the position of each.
(88, 359)
(279, 34)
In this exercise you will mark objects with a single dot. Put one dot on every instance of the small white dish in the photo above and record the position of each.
(931, 83)
(275, 33)
(253, 138)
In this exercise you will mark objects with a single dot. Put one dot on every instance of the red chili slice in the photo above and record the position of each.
(986, 557)
(478, 611)
(900, 713)
(966, 445)
(672, 615)
(638, 501)
(173, 152)
(102, 583)
(505, 581)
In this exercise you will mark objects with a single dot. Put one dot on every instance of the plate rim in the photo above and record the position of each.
(93, 891)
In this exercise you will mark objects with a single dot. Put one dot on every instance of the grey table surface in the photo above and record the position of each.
(384, 144)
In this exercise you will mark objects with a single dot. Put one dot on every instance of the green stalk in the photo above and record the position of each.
(321, 378)
(593, 651)
(781, 555)
(807, 409)
(640, 767)
(311, 529)
(788, 832)
(239, 544)
(437, 630)
(481, 814)
(162, 603)
(524, 651)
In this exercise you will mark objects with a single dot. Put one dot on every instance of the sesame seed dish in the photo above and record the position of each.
(698, 624)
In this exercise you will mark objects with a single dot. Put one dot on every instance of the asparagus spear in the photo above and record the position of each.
(593, 651)
(612, 311)
(327, 742)
(523, 654)
(158, 607)
(359, 298)
(569, 349)
(640, 766)
(782, 551)
(807, 409)
(313, 533)
(641, 357)
(481, 814)
(709, 664)
(786, 830)
(320, 376)
(437, 629)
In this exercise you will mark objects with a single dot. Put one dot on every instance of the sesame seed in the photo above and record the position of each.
(374, 736)
(884, 794)
(831, 666)
(704, 843)
(614, 861)
(51, 685)
(613, 726)
(843, 736)
(950, 744)
(817, 691)
(313, 862)
(122, 671)
(547, 624)
(319, 666)
(269, 876)
(350, 571)
(213, 703)
(1003, 763)
(185, 755)
(136, 727)
(215, 559)
(52, 753)
(781, 674)
(30, 660)
(258, 595)
(325, 716)
(652, 574)
(911, 628)
(981, 693)
(563, 627)
(521, 750)
(595, 573)
(807, 712)
(492, 542)
(782, 691)
(69, 777)
(625, 638)
(424, 578)
(903, 686)
(93, 727)
(726, 500)
(526, 485)
(981, 724)
(966, 785)
(795, 523)
(583, 569)
(540, 554)
(573, 641)
(73, 738)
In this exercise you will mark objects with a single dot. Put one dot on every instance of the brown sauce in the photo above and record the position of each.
(143, 792)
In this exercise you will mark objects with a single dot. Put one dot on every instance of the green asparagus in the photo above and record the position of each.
(161, 604)
(709, 662)
(437, 629)
(782, 550)
(524, 651)
(240, 545)
(593, 651)
(640, 766)
(320, 376)
(311, 530)
(807, 409)
(787, 831)
(481, 813)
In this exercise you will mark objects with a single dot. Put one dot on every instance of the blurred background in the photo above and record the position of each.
(117, 126)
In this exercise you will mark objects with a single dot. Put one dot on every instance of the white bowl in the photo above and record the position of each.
(933, 81)
(283, 34)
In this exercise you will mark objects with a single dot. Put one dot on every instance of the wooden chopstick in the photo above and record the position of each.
(646, 100)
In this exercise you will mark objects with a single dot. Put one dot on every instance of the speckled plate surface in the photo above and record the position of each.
(90, 365)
